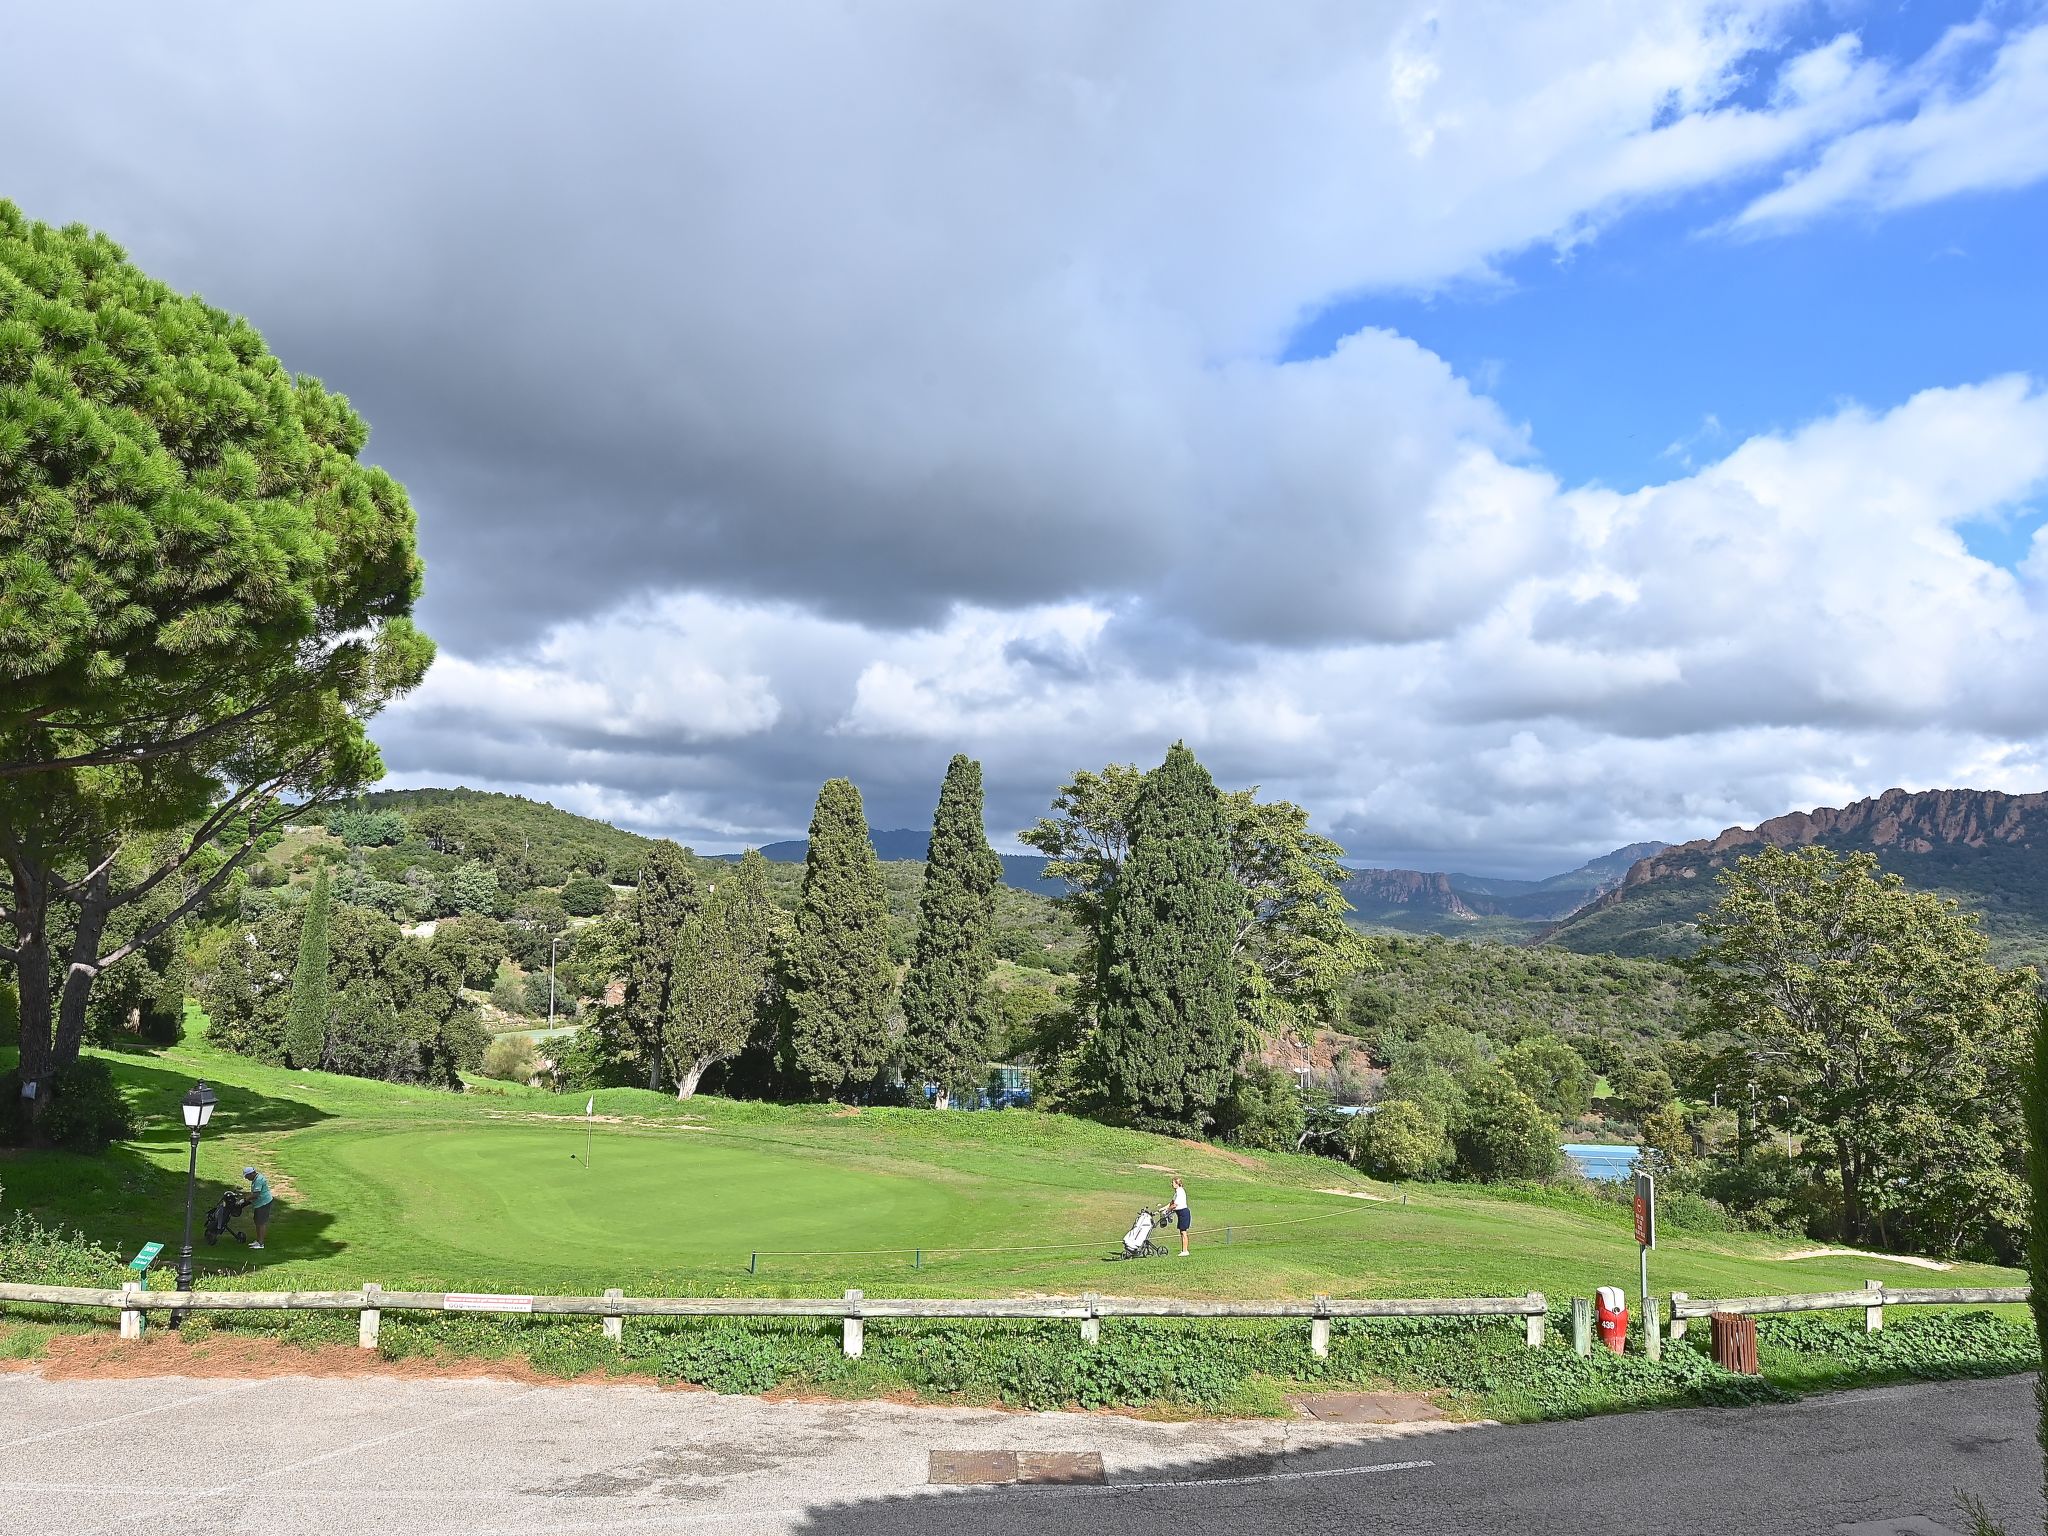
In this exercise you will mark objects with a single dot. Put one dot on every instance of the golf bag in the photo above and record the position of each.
(1138, 1242)
(221, 1218)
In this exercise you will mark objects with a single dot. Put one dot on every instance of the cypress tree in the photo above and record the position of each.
(725, 970)
(1167, 1042)
(312, 1003)
(663, 907)
(840, 976)
(946, 1020)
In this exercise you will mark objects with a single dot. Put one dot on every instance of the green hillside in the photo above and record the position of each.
(492, 1190)
(1507, 991)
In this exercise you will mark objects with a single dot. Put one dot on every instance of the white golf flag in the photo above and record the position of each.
(591, 1106)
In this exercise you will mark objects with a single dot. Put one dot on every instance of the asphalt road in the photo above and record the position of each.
(365, 1456)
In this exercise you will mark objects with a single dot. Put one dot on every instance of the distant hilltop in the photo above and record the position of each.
(1419, 901)
(1021, 871)
(1985, 848)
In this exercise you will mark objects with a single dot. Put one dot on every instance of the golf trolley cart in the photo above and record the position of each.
(221, 1219)
(1138, 1242)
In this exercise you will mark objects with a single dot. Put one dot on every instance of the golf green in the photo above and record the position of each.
(510, 1189)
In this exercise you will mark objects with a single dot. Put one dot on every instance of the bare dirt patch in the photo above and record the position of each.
(1858, 1253)
(1209, 1150)
(1359, 1194)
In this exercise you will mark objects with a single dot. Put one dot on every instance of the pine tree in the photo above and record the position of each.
(840, 976)
(725, 968)
(1167, 1042)
(946, 1018)
(664, 905)
(312, 1004)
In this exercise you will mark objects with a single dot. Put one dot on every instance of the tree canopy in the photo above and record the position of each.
(1294, 950)
(204, 595)
(665, 905)
(948, 1019)
(725, 968)
(1168, 1037)
(1865, 1019)
(839, 980)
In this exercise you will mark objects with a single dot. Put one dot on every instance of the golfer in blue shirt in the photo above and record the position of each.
(261, 1204)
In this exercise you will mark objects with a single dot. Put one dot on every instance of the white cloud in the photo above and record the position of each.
(1990, 135)
(1797, 623)
(789, 401)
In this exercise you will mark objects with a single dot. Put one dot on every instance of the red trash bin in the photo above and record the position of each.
(1610, 1307)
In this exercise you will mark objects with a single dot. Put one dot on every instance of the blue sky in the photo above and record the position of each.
(1659, 330)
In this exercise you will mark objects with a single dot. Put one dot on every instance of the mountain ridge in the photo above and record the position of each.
(1987, 848)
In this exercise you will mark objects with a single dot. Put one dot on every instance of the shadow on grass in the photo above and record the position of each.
(134, 1192)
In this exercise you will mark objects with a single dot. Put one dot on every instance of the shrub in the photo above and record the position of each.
(508, 992)
(511, 1059)
(585, 897)
(365, 1035)
(1507, 1134)
(1400, 1140)
(536, 997)
(86, 1108)
(33, 1254)
(1263, 1109)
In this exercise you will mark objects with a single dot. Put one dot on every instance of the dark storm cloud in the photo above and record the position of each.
(790, 392)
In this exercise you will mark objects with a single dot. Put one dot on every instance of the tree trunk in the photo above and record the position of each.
(1852, 1207)
(32, 984)
(686, 1086)
(83, 970)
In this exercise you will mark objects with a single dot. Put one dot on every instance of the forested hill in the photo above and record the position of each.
(408, 844)
(479, 822)
(1987, 849)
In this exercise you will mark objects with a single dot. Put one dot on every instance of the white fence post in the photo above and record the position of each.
(1091, 1325)
(1677, 1322)
(1319, 1330)
(615, 1324)
(1582, 1326)
(131, 1317)
(854, 1337)
(1873, 1315)
(1535, 1320)
(1653, 1334)
(372, 1315)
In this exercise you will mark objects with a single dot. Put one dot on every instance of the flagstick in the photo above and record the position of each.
(588, 1109)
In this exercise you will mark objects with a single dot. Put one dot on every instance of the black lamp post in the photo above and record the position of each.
(198, 1108)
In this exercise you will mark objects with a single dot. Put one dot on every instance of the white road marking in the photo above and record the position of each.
(364, 1445)
(139, 1413)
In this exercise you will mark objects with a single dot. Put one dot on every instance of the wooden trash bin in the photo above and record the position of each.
(1735, 1343)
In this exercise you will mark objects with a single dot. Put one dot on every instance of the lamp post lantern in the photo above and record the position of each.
(198, 1107)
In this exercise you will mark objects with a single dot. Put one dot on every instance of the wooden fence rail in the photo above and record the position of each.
(854, 1309)
(1871, 1300)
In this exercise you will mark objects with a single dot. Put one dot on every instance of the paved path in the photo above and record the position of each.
(463, 1458)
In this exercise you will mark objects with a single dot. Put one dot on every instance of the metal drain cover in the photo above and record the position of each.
(969, 1468)
(1368, 1407)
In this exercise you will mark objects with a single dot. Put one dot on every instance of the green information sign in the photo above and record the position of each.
(147, 1256)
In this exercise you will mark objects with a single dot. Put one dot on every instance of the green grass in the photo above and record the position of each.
(490, 1190)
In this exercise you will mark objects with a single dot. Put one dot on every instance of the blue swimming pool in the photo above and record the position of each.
(1600, 1160)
